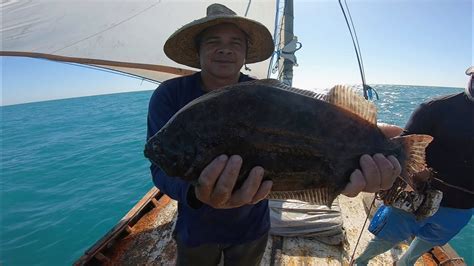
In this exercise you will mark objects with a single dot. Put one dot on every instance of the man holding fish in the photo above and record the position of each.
(215, 216)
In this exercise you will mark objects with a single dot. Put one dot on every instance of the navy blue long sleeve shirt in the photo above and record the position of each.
(450, 120)
(204, 224)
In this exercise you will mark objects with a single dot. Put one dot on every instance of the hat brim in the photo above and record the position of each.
(181, 48)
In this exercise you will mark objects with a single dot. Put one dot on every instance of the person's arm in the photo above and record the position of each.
(390, 131)
(161, 108)
(376, 172)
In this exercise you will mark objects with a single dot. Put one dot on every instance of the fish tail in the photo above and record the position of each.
(414, 147)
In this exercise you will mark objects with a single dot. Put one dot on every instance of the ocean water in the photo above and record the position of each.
(71, 169)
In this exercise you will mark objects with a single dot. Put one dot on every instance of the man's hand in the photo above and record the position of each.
(376, 172)
(217, 181)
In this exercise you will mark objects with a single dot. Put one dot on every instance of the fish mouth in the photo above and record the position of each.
(153, 151)
(148, 153)
(157, 156)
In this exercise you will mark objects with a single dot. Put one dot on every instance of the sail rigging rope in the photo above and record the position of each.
(113, 71)
(248, 7)
(366, 88)
(273, 64)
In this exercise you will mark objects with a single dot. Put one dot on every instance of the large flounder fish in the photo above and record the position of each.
(308, 144)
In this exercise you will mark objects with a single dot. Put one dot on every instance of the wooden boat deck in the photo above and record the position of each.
(144, 237)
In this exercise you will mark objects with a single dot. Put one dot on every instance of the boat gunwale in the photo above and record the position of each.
(123, 228)
(155, 199)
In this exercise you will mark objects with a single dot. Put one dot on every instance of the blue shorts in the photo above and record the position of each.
(395, 225)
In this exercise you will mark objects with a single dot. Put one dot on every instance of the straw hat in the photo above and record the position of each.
(181, 46)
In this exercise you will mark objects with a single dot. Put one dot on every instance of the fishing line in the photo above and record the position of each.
(366, 88)
(362, 69)
(351, 262)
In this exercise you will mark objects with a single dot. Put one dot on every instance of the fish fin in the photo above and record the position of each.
(414, 147)
(318, 196)
(282, 86)
(352, 101)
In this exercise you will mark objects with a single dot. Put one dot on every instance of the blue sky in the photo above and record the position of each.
(31, 80)
(422, 42)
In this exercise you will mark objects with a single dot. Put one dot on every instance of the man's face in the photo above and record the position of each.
(222, 50)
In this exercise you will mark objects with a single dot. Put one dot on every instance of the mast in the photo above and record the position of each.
(287, 71)
(289, 42)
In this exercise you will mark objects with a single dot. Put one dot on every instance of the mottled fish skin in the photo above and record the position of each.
(301, 142)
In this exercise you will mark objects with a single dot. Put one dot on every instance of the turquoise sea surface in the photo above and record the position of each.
(71, 169)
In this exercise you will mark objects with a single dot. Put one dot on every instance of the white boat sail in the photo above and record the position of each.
(128, 36)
